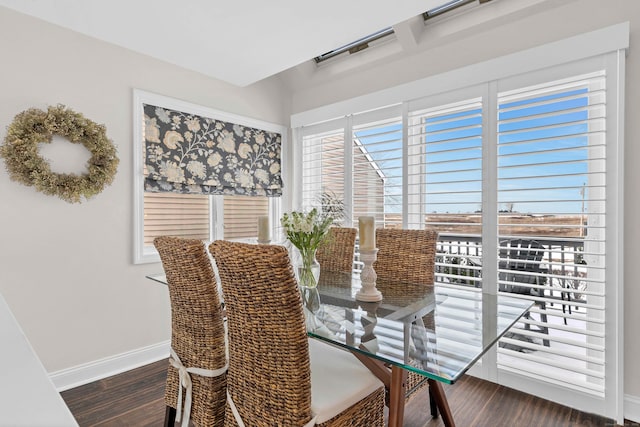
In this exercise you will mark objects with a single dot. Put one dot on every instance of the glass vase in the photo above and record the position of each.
(310, 299)
(308, 269)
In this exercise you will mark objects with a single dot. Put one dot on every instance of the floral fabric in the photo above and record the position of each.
(186, 153)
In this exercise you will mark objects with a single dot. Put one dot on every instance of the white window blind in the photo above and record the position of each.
(171, 214)
(377, 170)
(241, 216)
(445, 185)
(551, 229)
(323, 183)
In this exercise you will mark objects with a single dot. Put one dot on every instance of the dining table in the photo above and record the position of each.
(437, 330)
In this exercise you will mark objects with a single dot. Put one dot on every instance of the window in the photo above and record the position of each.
(552, 189)
(355, 46)
(527, 161)
(446, 7)
(205, 217)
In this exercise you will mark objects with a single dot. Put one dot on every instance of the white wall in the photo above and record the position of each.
(66, 270)
(441, 48)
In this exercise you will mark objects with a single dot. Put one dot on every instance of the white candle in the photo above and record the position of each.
(367, 232)
(264, 231)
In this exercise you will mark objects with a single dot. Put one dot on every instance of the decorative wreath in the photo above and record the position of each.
(25, 165)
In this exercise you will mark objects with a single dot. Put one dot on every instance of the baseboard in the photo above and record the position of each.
(632, 408)
(99, 369)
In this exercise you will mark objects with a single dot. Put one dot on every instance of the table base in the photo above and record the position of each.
(395, 381)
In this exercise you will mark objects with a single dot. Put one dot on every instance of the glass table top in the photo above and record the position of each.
(437, 331)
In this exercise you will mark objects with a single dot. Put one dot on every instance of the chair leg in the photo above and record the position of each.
(565, 306)
(544, 329)
(527, 326)
(433, 405)
(169, 417)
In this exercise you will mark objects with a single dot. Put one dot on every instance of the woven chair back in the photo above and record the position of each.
(197, 328)
(406, 255)
(336, 252)
(269, 377)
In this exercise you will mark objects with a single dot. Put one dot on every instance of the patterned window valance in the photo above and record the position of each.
(187, 153)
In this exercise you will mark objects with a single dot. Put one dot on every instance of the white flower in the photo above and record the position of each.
(306, 231)
(274, 168)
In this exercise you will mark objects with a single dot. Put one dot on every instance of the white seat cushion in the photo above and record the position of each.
(338, 380)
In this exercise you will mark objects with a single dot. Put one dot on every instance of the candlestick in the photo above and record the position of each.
(367, 232)
(264, 231)
(368, 277)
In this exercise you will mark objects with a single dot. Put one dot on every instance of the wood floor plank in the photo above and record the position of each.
(136, 399)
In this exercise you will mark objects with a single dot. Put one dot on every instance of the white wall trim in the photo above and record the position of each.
(632, 408)
(574, 48)
(109, 366)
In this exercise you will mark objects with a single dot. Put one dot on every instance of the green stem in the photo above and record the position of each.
(305, 272)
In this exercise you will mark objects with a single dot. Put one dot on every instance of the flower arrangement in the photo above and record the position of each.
(306, 232)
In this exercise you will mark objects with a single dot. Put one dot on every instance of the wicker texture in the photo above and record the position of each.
(197, 328)
(336, 252)
(408, 256)
(269, 377)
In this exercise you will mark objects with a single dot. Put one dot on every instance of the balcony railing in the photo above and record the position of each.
(459, 261)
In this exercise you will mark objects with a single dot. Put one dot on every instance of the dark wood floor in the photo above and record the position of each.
(135, 398)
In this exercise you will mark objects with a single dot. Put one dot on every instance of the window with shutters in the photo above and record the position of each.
(197, 216)
(377, 171)
(519, 176)
(445, 184)
(323, 173)
(551, 187)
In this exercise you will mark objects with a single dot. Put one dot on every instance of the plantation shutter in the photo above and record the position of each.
(377, 167)
(551, 190)
(445, 184)
(323, 174)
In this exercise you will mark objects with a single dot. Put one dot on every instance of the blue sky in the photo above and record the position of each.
(542, 160)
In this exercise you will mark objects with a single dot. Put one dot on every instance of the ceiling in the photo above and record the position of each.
(237, 41)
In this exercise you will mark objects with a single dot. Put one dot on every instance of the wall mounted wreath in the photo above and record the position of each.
(25, 165)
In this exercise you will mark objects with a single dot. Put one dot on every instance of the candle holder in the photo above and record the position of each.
(264, 242)
(368, 277)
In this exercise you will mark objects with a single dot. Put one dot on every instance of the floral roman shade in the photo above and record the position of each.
(187, 153)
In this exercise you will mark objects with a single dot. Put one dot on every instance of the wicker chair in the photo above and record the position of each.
(197, 334)
(336, 252)
(278, 376)
(408, 256)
